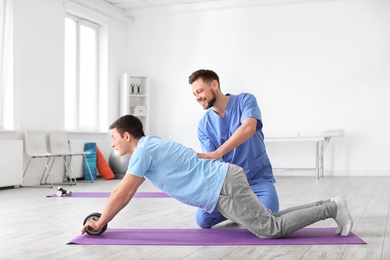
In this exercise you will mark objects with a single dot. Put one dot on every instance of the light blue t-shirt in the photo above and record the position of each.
(213, 131)
(177, 170)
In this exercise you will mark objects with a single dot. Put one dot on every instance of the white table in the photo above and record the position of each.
(321, 138)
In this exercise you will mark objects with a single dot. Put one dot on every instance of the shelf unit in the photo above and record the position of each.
(134, 98)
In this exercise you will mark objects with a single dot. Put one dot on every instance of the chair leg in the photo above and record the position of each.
(47, 170)
(25, 169)
(322, 158)
(45, 175)
(317, 171)
(69, 169)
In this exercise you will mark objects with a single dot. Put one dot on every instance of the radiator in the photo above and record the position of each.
(11, 163)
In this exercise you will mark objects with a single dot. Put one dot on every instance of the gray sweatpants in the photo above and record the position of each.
(238, 203)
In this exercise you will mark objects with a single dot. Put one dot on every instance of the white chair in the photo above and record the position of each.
(59, 144)
(36, 148)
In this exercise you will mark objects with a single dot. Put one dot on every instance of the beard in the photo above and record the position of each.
(211, 101)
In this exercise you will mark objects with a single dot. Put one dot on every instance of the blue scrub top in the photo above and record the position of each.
(213, 131)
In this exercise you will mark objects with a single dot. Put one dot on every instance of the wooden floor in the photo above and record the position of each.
(35, 227)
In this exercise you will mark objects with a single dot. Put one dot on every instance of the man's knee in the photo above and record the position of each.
(207, 220)
(274, 206)
(202, 223)
(267, 194)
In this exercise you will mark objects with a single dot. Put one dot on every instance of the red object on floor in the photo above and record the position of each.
(103, 167)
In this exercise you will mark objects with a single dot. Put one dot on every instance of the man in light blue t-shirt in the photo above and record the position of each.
(207, 184)
(231, 131)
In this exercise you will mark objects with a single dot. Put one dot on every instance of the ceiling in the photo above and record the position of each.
(128, 5)
(131, 8)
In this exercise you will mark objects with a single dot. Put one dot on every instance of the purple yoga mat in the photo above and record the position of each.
(306, 236)
(107, 194)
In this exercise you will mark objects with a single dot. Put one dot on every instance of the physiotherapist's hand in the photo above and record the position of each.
(210, 156)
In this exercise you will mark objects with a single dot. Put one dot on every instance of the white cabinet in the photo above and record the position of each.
(11, 163)
(134, 98)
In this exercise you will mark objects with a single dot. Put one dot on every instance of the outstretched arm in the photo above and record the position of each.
(118, 199)
(243, 133)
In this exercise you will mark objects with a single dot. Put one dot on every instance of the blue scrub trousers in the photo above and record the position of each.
(266, 193)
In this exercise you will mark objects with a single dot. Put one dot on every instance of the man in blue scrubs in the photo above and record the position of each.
(231, 131)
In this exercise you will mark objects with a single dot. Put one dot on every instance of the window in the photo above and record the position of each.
(2, 29)
(81, 74)
(6, 84)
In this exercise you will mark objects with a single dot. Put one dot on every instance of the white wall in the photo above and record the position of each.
(312, 66)
(39, 71)
(38, 64)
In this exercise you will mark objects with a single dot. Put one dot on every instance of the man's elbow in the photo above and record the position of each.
(250, 131)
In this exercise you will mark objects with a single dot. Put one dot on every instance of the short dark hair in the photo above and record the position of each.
(206, 75)
(130, 124)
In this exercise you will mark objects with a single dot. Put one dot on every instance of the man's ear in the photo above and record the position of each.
(215, 84)
(127, 136)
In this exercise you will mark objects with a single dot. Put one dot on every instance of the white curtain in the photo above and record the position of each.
(6, 93)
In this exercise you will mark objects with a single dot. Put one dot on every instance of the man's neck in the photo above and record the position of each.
(221, 104)
(133, 145)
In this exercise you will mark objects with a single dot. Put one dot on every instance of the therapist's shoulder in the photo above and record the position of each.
(245, 96)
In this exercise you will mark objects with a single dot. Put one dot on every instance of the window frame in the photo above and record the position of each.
(76, 124)
(2, 62)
